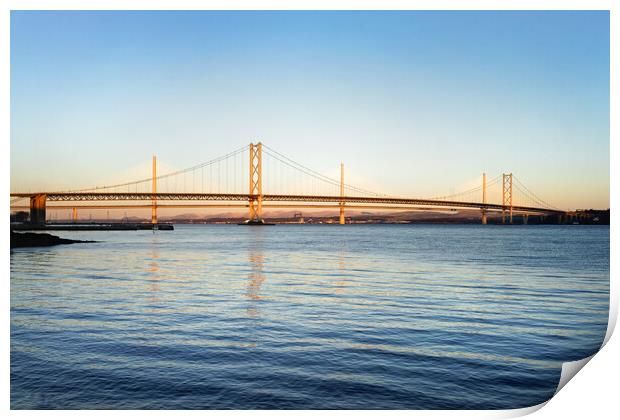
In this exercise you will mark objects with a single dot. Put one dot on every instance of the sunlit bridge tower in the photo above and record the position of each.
(256, 183)
(506, 197)
(484, 198)
(342, 193)
(154, 198)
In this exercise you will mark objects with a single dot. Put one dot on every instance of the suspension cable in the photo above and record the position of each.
(299, 167)
(533, 196)
(182, 171)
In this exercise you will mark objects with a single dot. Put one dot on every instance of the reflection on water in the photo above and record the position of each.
(306, 316)
(153, 270)
(341, 280)
(256, 277)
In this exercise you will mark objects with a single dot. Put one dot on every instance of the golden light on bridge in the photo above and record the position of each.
(255, 199)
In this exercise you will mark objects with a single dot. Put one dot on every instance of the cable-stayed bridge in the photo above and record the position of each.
(256, 177)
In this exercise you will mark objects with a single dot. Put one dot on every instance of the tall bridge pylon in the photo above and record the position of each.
(154, 199)
(484, 199)
(256, 182)
(341, 193)
(506, 197)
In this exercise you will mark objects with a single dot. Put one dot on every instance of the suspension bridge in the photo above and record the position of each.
(256, 177)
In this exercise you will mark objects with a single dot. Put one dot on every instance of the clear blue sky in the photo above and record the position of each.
(414, 103)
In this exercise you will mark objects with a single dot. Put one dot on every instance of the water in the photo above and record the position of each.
(306, 317)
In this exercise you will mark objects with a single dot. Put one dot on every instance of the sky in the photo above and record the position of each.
(414, 103)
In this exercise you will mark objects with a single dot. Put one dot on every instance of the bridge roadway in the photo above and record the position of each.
(372, 202)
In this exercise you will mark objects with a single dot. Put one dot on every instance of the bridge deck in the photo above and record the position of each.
(278, 198)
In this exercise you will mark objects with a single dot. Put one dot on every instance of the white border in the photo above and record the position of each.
(592, 394)
(310, 5)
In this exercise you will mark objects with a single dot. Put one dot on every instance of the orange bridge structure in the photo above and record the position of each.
(208, 187)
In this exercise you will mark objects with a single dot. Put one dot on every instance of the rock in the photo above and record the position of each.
(29, 239)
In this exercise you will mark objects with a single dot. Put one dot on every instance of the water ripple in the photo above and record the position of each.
(297, 317)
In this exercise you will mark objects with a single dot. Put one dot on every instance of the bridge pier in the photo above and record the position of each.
(37, 209)
(74, 215)
(525, 219)
(484, 217)
(300, 217)
(256, 209)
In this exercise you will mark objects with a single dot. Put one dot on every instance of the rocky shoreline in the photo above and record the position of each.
(28, 239)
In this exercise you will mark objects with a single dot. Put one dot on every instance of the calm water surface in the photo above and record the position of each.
(302, 316)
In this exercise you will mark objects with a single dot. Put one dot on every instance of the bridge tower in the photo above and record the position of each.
(342, 193)
(506, 197)
(484, 198)
(256, 183)
(154, 198)
(37, 209)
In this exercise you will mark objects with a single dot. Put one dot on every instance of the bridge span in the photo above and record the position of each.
(255, 200)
